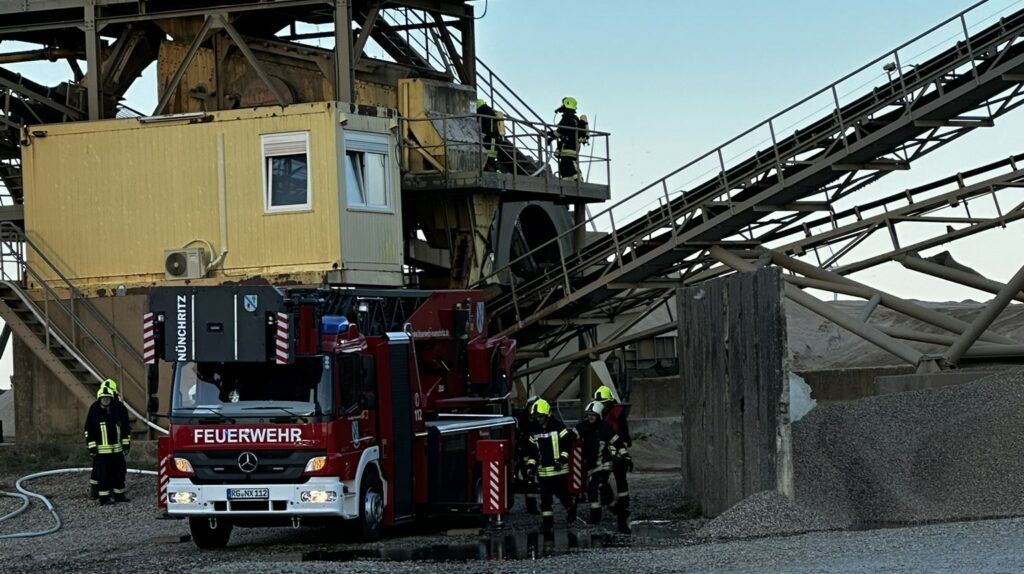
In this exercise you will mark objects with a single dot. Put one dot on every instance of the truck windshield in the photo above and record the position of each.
(216, 390)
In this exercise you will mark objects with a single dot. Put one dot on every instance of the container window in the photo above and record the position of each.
(286, 183)
(367, 179)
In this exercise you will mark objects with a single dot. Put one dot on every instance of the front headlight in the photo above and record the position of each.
(183, 465)
(318, 496)
(182, 497)
(316, 463)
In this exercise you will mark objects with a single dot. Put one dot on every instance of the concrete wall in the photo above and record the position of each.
(656, 397)
(848, 384)
(735, 400)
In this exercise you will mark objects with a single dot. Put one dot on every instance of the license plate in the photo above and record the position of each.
(248, 493)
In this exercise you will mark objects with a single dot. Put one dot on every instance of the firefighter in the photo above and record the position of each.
(126, 435)
(103, 439)
(601, 446)
(524, 426)
(489, 133)
(548, 458)
(571, 134)
(615, 416)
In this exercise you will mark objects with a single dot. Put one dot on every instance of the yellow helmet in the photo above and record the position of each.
(110, 384)
(480, 103)
(603, 393)
(104, 391)
(569, 103)
(541, 407)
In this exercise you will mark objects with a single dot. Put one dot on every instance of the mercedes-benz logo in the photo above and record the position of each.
(247, 462)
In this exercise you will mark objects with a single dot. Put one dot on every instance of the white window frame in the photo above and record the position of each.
(370, 143)
(284, 144)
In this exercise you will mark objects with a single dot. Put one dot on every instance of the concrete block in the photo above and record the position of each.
(915, 382)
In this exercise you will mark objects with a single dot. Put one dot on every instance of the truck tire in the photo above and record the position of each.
(206, 537)
(371, 506)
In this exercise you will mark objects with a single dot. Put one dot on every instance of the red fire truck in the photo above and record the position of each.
(306, 406)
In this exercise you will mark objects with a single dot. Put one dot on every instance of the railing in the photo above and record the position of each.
(14, 268)
(525, 150)
(670, 202)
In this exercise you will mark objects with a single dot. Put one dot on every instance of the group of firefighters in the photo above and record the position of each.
(570, 135)
(543, 449)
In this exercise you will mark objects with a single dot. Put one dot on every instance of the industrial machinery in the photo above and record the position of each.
(310, 406)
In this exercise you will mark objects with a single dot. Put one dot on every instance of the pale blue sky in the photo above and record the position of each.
(673, 79)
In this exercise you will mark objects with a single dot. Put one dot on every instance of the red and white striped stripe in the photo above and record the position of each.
(494, 490)
(576, 469)
(161, 481)
(148, 339)
(281, 354)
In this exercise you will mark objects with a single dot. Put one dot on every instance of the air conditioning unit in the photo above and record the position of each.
(185, 263)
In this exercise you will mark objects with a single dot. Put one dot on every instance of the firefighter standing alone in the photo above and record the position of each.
(547, 459)
(571, 135)
(107, 442)
(615, 416)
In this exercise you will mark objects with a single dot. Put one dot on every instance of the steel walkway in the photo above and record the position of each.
(926, 98)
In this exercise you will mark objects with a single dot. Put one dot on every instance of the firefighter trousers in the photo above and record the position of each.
(597, 481)
(551, 487)
(568, 167)
(621, 497)
(110, 471)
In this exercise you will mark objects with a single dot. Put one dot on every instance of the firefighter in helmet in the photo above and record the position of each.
(104, 440)
(117, 405)
(548, 457)
(601, 447)
(615, 416)
(489, 132)
(571, 134)
(524, 429)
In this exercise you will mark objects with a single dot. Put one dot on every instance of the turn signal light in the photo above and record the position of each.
(316, 463)
(183, 465)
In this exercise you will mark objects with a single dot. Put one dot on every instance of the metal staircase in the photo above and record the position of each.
(765, 182)
(62, 327)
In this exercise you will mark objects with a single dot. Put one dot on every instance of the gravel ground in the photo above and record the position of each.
(766, 514)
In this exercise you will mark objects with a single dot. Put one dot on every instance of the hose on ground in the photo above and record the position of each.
(24, 494)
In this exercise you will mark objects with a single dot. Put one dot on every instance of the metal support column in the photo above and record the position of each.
(93, 59)
(985, 318)
(585, 382)
(344, 80)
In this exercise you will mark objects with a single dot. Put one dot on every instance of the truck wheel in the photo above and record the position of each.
(206, 537)
(371, 507)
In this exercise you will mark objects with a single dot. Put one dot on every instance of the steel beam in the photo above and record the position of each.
(243, 46)
(601, 348)
(955, 275)
(193, 49)
(862, 330)
(94, 63)
(344, 74)
(888, 300)
(985, 318)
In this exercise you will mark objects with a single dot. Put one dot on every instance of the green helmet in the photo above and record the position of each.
(541, 407)
(480, 103)
(569, 103)
(110, 384)
(104, 391)
(603, 393)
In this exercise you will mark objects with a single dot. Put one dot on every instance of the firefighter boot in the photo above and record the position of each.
(120, 497)
(624, 523)
(531, 505)
(547, 523)
(104, 500)
(570, 515)
(94, 491)
(595, 516)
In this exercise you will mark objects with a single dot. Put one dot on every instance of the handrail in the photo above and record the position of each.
(15, 255)
(902, 86)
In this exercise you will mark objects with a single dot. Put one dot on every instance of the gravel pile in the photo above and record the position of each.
(934, 455)
(766, 514)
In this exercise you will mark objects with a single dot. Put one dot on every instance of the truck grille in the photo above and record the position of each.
(272, 466)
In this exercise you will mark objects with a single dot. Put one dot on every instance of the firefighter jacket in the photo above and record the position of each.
(549, 448)
(616, 418)
(103, 430)
(600, 445)
(569, 134)
(488, 122)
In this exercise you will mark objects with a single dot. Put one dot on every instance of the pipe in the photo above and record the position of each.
(888, 300)
(25, 494)
(863, 330)
(222, 197)
(51, 54)
(985, 318)
(955, 275)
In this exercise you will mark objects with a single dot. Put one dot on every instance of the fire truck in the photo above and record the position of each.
(306, 406)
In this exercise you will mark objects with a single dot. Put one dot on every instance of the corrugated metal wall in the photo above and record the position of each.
(105, 199)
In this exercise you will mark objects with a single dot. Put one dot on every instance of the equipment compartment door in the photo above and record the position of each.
(401, 412)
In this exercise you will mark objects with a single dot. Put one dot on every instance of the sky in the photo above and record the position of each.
(673, 79)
